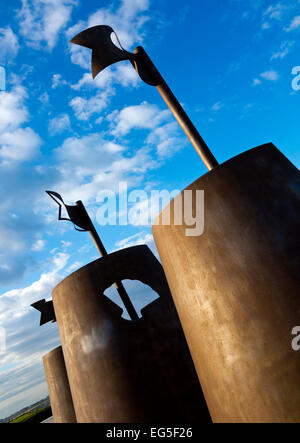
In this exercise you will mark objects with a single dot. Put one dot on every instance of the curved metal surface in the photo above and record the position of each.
(236, 286)
(123, 371)
(58, 387)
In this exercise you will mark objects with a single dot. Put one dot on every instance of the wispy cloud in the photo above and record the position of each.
(164, 134)
(59, 124)
(143, 116)
(9, 45)
(127, 21)
(295, 24)
(42, 21)
(17, 143)
(217, 106)
(276, 11)
(141, 238)
(285, 48)
(25, 342)
(57, 80)
(95, 163)
(256, 82)
(271, 75)
(39, 245)
(84, 108)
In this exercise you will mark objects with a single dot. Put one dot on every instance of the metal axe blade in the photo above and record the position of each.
(105, 52)
(46, 309)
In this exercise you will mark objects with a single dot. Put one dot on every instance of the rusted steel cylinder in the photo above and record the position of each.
(236, 286)
(58, 387)
(120, 370)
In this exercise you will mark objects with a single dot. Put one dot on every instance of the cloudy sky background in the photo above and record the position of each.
(230, 64)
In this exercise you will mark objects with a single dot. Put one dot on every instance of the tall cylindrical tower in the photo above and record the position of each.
(58, 387)
(120, 370)
(236, 286)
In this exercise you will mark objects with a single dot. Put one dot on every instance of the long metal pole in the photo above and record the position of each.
(176, 109)
(102, 251)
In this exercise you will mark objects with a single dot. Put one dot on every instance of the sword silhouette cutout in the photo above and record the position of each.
(106, 53)
(82, 222)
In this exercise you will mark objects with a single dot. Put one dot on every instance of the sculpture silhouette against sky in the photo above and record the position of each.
(243, 269)
(106, 53)
(82, 222)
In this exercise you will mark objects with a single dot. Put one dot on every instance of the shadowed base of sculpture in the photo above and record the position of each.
(120, 370)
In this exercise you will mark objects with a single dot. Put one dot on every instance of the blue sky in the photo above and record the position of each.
(230, 64)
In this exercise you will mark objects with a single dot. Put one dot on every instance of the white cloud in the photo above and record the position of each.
(12, 241)
(97, 163)
(44, 98)
(123, 74)
(15, 303)
(163, 132)
(57, 80)
(275, 12)
(26, 343)
(217, 106)
(41, 21)
(19, 145)
(102, 81)
(12, 108)
(166, 139)
(141, 238)
(65, 244)
(295, 24)
(127, 21)
(38, 245)
(59, 124)
(84, 108)
(126, 75)
(266, 25)
(284, 50)
(9, 45)
(75, 266)
(256, 82)
(143, 116)
(16, 143)
(102, 89)
(271, 75)
(20, 184)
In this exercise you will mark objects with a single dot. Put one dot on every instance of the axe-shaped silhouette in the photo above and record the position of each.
(106, 53)
(82, 222)
(46, 309)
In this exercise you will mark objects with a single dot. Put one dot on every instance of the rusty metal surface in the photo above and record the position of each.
(236, 287)
(58, 387)
(119, 370)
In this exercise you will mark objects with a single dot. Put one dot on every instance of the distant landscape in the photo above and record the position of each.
(34, 413)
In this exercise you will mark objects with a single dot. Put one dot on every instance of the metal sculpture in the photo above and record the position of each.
(106, 53)
(58, 387)
(82, 222)
(236, 286)
(122, 371)
(46, 309)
